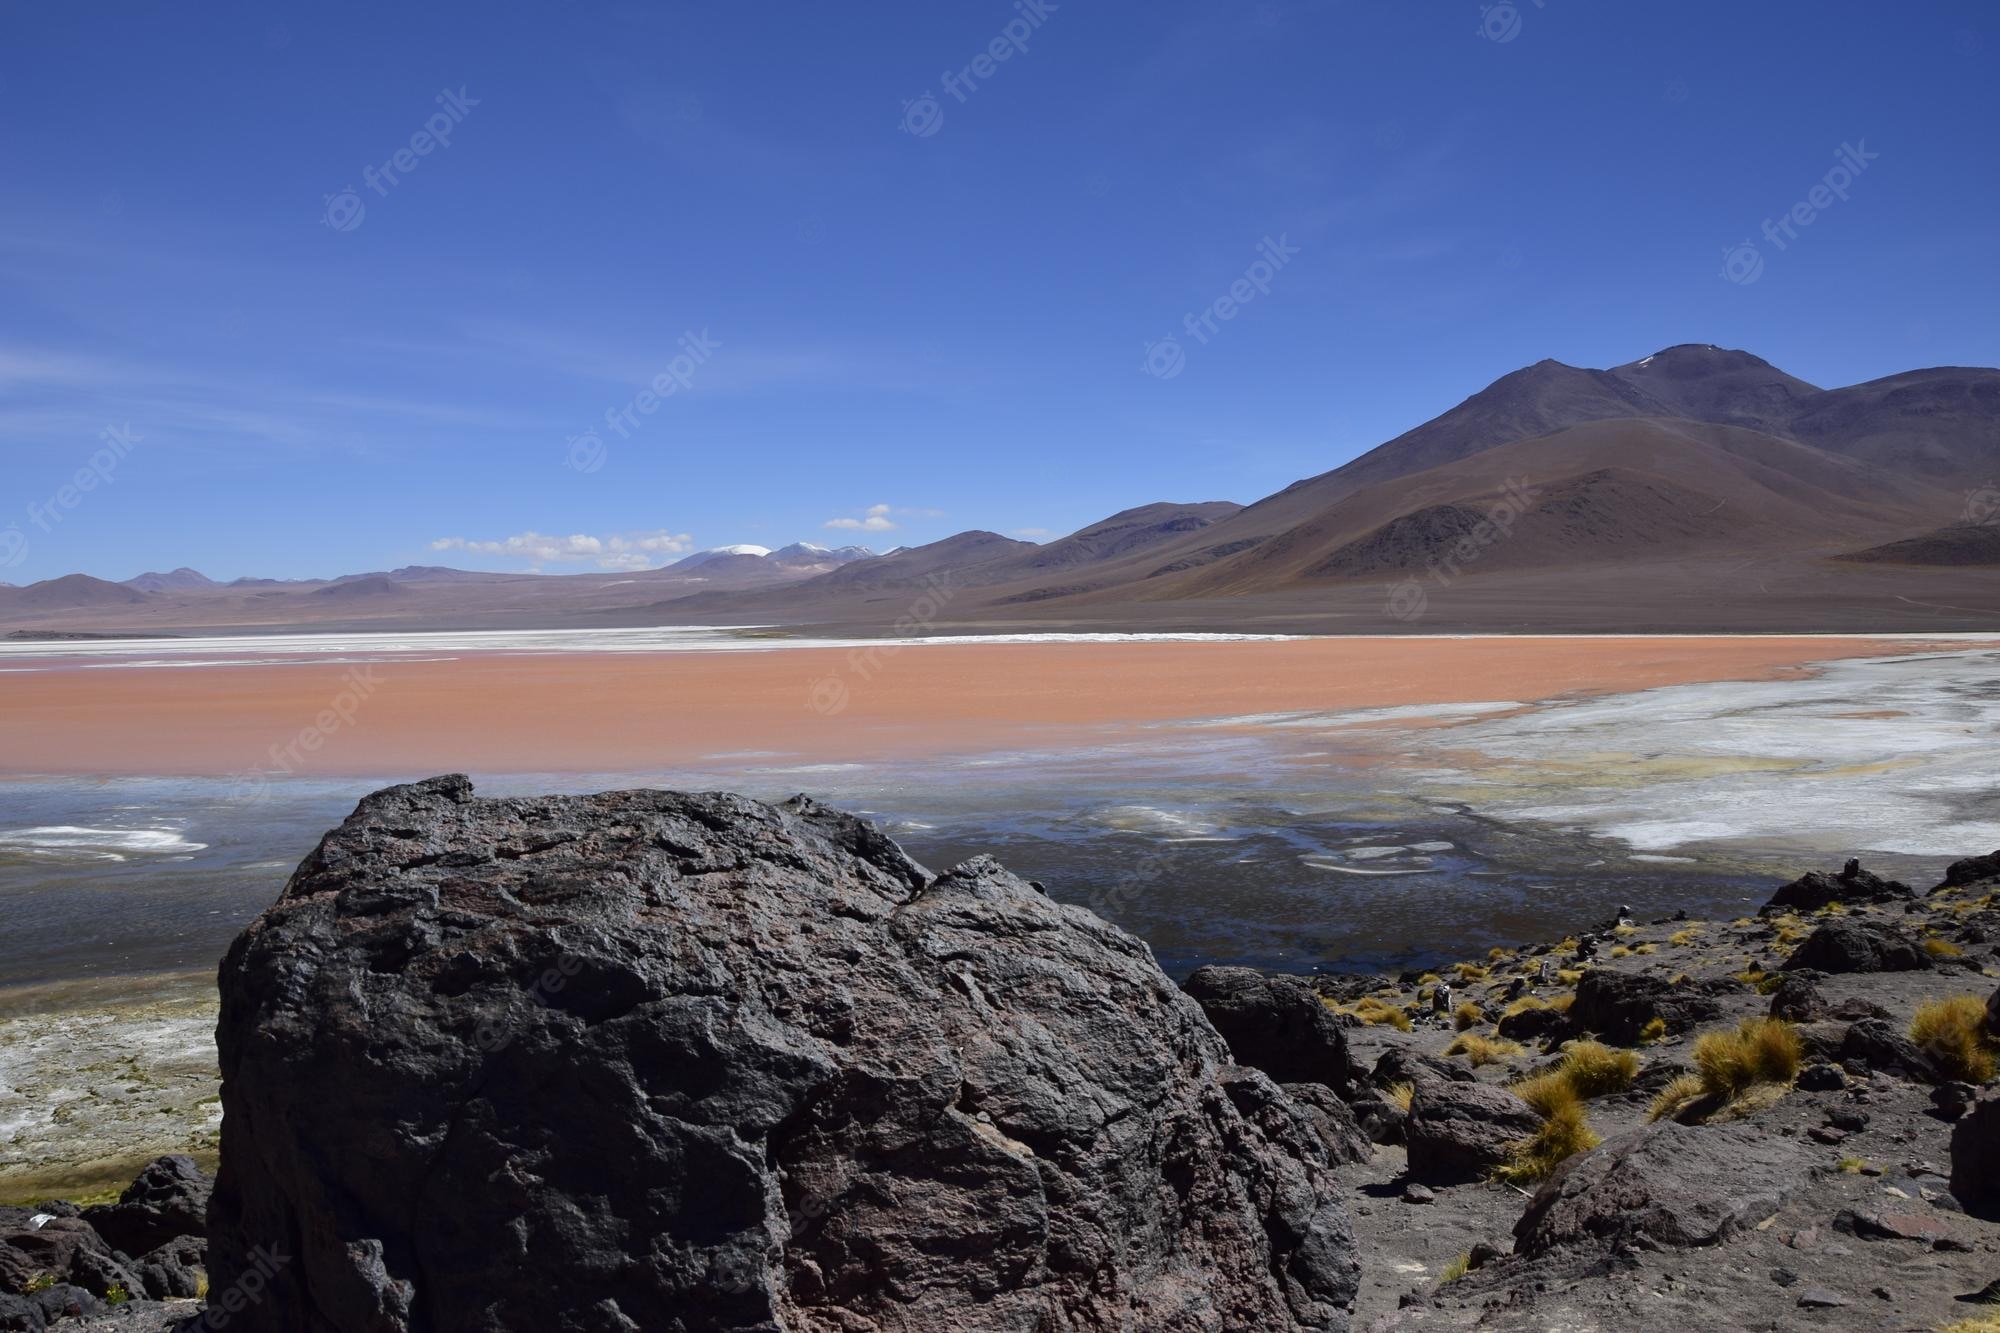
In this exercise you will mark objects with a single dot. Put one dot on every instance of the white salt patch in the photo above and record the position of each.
(75, 843)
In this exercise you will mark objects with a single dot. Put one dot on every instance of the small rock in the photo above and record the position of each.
(1784, 1277)
(1822, 1077)
(1881, 1293)
(1953, 1099)
(1830, 1137)
(1844, 1117)
(1819, 1298)
(1891, 1224)
(1415, 1193)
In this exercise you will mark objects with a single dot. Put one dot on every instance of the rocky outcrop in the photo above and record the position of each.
(1664, 1185)
(62, 1250)
(1460, 1131)
(1884, 1050)
(651, 1060)
(1815, 890)
(1345, 1137)
(1276, 1024)
(1971, 870)
(1975, 1159)
(1618, 1006)
(168, 1200)
(1798, 998)
(1845, 944)
(1993, 1015)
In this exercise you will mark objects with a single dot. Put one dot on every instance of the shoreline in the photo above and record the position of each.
(643, 711)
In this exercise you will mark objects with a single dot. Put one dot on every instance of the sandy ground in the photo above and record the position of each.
(497, 712)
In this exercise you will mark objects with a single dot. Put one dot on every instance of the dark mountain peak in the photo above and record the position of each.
(173, 581)
(71, 591)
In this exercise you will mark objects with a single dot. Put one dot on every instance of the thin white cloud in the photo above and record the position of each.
(881, 518)
(623, 551)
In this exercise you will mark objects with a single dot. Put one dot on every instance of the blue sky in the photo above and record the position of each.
(911, 333)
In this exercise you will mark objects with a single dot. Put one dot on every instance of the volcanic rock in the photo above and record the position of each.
(1847, 945)
(168, 1200)
(1814, 890)
(1798, 998)
(1618, 1005)
(1459, 1131)
(1666, 1184)
(654, 1060)
(1276, 1024)
(1975, 1159)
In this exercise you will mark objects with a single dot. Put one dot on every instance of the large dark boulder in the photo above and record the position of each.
(1618, 1006)
(1346, 1138)
(167, 1201)
(63, 1250)
(1664, 1185)
(1846, 944)
(1798, 998)
(1971, 870)
(1461, 1131)
(1885, 1050)
(1993, 1015)
(1814, 890)
(654, 1060)
(1975, 1159)
(1276, 1024)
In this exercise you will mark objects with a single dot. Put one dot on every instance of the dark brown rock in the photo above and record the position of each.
(652, 1060)
(1276, 1024)
(1815, 890)
(65, 1249)
(168, 1200)
(1798, 998)
(1845, 944)
(1618, 1006)
(1666, 1184)
(1886, 1051)
(1460, 1131)
(1333, 1120)
(1971, 870)
(1975, 1159)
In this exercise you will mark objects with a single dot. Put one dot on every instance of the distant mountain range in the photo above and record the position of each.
(1698, 487)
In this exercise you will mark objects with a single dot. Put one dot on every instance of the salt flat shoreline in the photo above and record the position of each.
(342, 709)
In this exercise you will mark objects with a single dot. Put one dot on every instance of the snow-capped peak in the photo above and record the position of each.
(742, 548)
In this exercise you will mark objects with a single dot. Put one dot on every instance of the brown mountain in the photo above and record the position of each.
(70, 592)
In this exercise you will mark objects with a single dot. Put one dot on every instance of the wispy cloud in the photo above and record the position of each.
(623, 551)
(880, 518)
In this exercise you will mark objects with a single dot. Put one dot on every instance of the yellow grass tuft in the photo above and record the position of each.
(1597, 1070)
(1399, 1095)
(1761, 1050)
(1562, 1003)
(1496, 954)
(1655, 1029)
(1455, 1269)
(1569, 976)
(1467, 1015)
(1620, 951)
(1562, 1135)
(1683, 938)
(1850, 1165)
(1986, 1323)
(1834, 909)
(1643, 949)
(1547, 1093)
(1953, 1033)
(1469, 972)
(1942, 948)
(1482, 1050)
(1526, 1004)
(1676, 1098)
(1377, 1012)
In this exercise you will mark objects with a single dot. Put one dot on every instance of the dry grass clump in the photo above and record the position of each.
(1643, 949)
(1455, 1269)
(1376, 1012)
(1562, 1003)
(1790, 929)
(1597, 1070)
(1850, 1165)
(1834, 909)
(1469, 972)
(1761, 1050)
(1564, 1133)
(1683, 938)
(1400, 1094)
(1942, 948)
(1655, 1029)
(1986, 1323)
(1482, 1050)
(1467, 1015)
(1620, 951)
(1677, 1098)
(1569, 976)
(1526, 1004)
(1497, 954)
(1953, 1033)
